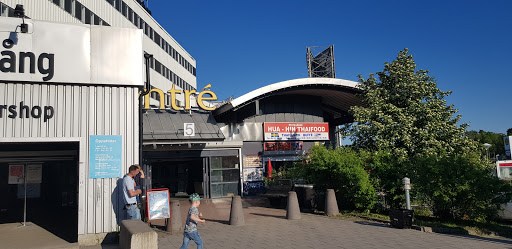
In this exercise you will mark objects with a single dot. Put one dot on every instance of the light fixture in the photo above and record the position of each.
(19, 12)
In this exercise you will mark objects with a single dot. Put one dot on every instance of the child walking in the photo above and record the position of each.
(193, 218)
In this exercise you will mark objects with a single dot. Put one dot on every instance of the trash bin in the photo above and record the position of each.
(401, 218)
(305, 196)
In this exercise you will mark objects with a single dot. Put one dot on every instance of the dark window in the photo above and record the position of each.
(78, 11)
(130, 14)
(157, 38)
(97, 20)
(87, 14)
(68, 6)
(124, 8)
(158, 67)
(56, 2)
(119, 6)
(111, 2)
(136, 19)
(147, 30)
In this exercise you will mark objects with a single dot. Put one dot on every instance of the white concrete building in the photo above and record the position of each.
(172, 64)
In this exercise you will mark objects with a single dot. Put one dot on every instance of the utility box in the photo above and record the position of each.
(401, 218)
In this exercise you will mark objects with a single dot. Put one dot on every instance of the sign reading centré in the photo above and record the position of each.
(296, 131)
(105, 160)
(210, 95)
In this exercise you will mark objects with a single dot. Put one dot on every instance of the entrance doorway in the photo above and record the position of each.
(182, 176)
(51, 171)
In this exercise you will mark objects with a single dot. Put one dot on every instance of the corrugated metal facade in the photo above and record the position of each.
(80, 111)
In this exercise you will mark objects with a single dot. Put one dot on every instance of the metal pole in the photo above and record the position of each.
(407, 186)
(25, 207)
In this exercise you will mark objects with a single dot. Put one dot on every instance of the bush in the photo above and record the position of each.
(343, 170)
(457, 187)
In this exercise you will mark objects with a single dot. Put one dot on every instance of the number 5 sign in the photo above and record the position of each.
(189, 129)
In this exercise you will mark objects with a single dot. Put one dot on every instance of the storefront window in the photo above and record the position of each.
(224, 176)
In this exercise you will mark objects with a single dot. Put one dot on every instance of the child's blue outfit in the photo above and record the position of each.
(190, 232)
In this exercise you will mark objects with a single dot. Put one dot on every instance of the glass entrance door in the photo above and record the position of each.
(224, 176)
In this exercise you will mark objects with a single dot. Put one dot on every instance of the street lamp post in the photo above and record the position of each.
(487, 146)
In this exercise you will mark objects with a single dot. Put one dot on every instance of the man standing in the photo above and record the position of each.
(129, 193)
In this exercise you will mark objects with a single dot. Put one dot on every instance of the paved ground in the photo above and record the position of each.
(268, 228)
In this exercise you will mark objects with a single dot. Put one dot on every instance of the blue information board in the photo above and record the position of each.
(106, 154)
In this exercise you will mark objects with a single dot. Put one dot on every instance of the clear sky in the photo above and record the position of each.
(243, 45)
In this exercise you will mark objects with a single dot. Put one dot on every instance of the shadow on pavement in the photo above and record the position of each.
(467, 236)
(270, 215)
(368, 223)
(218, 221)
(488, 239)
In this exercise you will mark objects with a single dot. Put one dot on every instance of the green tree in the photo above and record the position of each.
(458, 187)
(406, 114)
(494, 139)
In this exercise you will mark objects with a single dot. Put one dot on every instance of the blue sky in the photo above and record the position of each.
(243, 45)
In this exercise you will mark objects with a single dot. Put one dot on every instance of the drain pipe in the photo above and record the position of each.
(144, 92)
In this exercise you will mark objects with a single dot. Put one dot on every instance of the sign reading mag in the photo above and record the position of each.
(296, 131)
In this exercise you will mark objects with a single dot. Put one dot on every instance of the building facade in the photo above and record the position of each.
(278, 123)
(68, 123)
(171, 64)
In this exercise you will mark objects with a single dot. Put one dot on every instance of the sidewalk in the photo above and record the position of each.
(268, 228)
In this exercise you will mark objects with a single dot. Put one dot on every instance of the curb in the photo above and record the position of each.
(442, 230)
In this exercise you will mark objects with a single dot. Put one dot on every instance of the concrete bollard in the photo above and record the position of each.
(292, 208)
(331, 206)
(136, 234)
(175, 224)
(236, 216)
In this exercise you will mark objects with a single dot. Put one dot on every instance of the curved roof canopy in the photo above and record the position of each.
(337, 96)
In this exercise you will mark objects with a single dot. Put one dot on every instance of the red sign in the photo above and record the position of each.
(296, 131)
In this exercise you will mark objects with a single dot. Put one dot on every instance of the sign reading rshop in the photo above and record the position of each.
(296, 131)
(24, 111)
(70, 53)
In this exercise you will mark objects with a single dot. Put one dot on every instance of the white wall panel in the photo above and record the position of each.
(43, 10)
(80, 111)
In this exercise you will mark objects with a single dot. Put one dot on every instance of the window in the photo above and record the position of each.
(111, 2)
(157, 38)
(130, 14)
(136, 19)
(57, 2)
(119, 5)
(68, 6)
(97, 20)
(124, 8)
(78, 10)
(87, 16)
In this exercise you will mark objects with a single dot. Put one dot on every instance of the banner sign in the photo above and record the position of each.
(506, 141)
(504, 169)
(105, 156)
(252, 162)
(34, 173)
(253, 174)
(158, 204)
(16, 174)
(296, 131)
(70, 53)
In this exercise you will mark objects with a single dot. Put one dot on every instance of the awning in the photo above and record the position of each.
(168, 125)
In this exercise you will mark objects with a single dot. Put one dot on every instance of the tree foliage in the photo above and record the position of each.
(494, 139)
(407, 129)
(343, 170)
(406, 114)
(459, 187)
